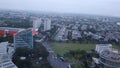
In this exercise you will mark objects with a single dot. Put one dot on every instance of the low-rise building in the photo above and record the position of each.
(76, 34)
(101, 47)
(109, 59)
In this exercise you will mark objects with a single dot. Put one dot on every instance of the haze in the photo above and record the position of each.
(99, 7)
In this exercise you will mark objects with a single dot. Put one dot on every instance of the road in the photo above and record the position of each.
(52, 58)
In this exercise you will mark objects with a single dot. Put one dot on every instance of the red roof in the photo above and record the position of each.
(12, 32)
(2, 32)
(34, 32)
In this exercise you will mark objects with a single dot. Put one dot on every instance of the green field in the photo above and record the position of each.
(116, 46)
(62, 48)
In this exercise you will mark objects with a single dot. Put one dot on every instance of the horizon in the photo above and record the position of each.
(50, 12)
(94, 7)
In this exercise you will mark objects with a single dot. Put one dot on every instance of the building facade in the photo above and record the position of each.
(24, 39)
(109, 59)
(47, 24)
(100, 47)
(37, 23)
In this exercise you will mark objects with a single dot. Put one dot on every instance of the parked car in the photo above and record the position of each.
(69, 66)
(62, 59)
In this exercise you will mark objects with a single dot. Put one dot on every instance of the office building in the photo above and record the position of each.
(24, 39)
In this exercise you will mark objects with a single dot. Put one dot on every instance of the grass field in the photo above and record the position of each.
(116, 46)
(62, 48)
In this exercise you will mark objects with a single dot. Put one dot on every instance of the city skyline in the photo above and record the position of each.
(33, 39)
(98, 7)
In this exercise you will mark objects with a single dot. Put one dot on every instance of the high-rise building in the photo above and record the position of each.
(47, 24)
(24, 38)
(36, 25)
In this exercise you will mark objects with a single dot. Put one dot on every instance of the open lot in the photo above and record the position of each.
(116, 46)
(62, 48)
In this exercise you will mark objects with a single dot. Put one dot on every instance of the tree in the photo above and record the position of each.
(22, 52)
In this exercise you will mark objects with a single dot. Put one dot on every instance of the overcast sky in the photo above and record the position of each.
(99, 7)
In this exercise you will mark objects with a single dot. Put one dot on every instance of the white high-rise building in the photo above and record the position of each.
(47, 24)
(36, 24)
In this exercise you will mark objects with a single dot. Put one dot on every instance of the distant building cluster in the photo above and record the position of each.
(68, 27)
(22, 37)
(45, 25)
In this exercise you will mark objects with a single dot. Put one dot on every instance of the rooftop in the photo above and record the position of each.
(104, 44)
(112, 55)
(9, 28)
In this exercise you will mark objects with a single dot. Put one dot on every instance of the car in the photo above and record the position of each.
(62, 59)
(69, 66)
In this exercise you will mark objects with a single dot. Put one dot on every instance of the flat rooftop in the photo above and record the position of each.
(104, 44)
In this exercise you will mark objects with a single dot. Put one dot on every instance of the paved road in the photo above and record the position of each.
(52, 58)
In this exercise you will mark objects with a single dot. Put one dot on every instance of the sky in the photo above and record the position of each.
(99, 7)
